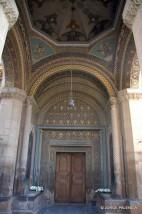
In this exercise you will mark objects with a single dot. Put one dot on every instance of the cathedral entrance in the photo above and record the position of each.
(71, 148)
(70, 177)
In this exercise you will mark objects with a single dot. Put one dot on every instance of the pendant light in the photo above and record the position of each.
(71, 100)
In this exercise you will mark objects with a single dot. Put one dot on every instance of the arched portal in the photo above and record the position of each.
(70, 61)
(65, 134)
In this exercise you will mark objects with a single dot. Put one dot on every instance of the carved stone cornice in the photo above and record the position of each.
(15, 93)
(10, 10)
(129, 94)
(130, 11)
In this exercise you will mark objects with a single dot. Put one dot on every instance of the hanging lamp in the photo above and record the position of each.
(71, 100)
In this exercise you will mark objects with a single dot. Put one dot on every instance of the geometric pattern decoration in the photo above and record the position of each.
(40, 50)
(62, 114)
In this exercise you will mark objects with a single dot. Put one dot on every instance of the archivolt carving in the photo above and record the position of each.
(126, 62)
(76, 64)
(15, 58)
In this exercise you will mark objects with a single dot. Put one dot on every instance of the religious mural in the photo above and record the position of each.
(40, 49)
(105, 50)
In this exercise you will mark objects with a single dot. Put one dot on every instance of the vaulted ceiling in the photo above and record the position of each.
(72, 20)
(38, 52)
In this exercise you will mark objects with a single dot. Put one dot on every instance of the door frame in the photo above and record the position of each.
(88, 165)
(71, 146)
(72, 152)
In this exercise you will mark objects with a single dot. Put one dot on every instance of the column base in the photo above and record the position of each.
(24, 204)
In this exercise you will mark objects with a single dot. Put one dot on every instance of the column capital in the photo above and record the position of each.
(129, 94)
(113, 101)
(130, 11)
(13, 93)
(10, 10)
(31, 101)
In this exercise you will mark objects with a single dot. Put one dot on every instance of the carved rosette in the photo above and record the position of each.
(10, 10)
(130, 11)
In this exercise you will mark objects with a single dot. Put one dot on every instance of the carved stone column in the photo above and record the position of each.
(116, 145)
(26, 128)
(131, 108)
(132, 17)
(11, 104)
(8, 17)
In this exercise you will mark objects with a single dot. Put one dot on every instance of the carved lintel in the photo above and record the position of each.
(13, 93)
(10, 10)
(130, 11)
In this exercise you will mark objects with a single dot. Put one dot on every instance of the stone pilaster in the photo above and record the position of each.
(27, 129)
(131, 108)
(11, 104)
(116, 145)
(8, 17)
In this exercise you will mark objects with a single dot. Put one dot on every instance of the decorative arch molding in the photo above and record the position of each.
(84, 89)
(127, 70)
(16, 57)
(76, 64)
(13, 61)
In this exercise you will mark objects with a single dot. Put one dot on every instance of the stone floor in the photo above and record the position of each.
(71, 209)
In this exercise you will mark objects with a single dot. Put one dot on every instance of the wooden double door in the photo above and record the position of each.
(70, 178)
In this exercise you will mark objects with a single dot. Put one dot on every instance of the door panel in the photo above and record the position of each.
(70, 177)
(78, 177)
(63, 177)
